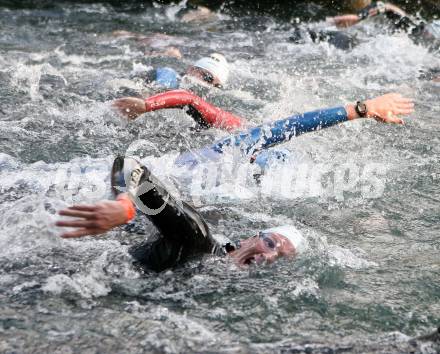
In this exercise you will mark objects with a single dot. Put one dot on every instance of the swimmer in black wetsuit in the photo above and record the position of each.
(184, 235)
(427, 34)
(367, 9)
(418, 30)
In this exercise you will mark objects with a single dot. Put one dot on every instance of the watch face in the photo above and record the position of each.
(361, 109)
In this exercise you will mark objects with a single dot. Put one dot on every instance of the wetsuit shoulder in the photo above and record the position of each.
(168, 78)
(163, 76)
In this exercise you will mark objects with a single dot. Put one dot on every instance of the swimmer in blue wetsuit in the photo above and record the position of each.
(202, 112)
(254, 142)
(183, 233)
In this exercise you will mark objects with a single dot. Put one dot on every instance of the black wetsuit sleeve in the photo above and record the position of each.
(197, 116)
(183, 232)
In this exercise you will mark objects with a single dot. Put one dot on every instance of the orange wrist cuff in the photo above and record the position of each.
(130, 210)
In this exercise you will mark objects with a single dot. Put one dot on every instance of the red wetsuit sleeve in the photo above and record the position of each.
(210, 114)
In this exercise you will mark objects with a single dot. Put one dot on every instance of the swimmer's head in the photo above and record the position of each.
(357, 5)
(213, 70)
(269, 245)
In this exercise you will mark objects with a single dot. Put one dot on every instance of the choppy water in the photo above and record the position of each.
(370, 277)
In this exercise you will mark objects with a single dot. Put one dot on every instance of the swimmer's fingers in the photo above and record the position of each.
(77, 213)
(391, 120)
(389, 117)
(404, 111)
(94, 219)
(80, 233)
(401, 99)
(76, 223)
(402, 107)
(396, 98)
(388, 107)
(83, 207)
(394, 120)
(409, 106)
(406, 105)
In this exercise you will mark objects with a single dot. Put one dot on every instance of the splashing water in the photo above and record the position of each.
(370, 276)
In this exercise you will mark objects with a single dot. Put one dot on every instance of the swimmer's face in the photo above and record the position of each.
(264, 248)
(203, 75)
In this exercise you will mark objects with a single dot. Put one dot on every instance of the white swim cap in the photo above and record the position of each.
(216, 64)
(292, 234)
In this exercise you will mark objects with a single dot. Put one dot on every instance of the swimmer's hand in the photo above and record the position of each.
(171, 52)
(93, 219)
(130, 107)
(386, 108)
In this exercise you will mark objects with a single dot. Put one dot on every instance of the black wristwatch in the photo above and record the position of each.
(361, 109)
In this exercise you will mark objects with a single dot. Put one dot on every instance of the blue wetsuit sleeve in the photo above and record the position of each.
(267, 135)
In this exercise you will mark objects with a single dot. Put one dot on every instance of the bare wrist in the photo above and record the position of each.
(351, 112)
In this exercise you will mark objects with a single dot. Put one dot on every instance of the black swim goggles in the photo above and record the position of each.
(268, 241)
(207, 77)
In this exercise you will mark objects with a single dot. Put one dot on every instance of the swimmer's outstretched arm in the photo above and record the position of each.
(175, 219)
(203, 112)
(386, 108)
(168, 51)
(369, 11)
(344, 21)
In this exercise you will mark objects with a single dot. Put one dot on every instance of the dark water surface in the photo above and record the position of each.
(370, 277)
